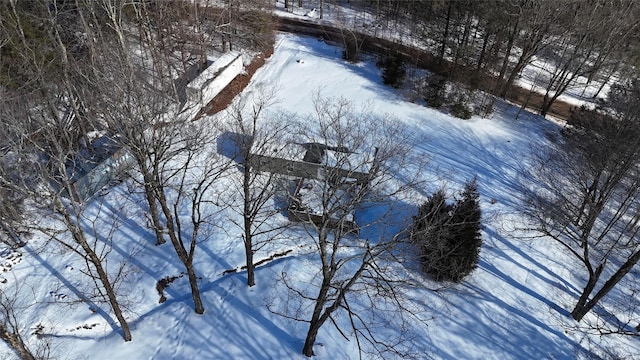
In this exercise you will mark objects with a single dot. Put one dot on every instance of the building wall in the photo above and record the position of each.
(301, 168)
(284, 166)
(105, 172)
(302, 216)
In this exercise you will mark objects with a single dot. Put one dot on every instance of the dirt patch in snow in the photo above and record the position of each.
(164, 283)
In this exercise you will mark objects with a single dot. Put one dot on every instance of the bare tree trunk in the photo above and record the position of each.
(96, 262)
(445, 36)
(195, 290)
(185, 257)
(14, 241)
(529, 94)
(580, 309)
(583, 306)
(485, 41)
(256, 136)
(328, 271)
(111, 295)
(151, 201)
(461, 51)
(248, 233)
(251, 279)
(522, 62)
(314, 327)
(507, 54)
(193, 193)
(14, 340)
(606, 80)
(10, 326)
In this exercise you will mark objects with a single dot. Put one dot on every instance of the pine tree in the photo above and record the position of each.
(448, 234)
(467, 239)
(434, 92)
(393, 72)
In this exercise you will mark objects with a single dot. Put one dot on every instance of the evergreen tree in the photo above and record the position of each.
(393, 72)
(448, 234)
(467, 238)
(434, 92)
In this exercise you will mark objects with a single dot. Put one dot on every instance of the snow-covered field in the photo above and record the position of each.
(514, 306)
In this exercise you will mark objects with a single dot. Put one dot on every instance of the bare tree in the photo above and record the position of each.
(243, 23)
(534, 28)
(10, 331)
(137, 119)
(47, 131)
(138, 71)
(596, 32)
(12, 304)
(356, 155)
(50, 168)
(193, 183)
(139, 78)
(587, 196)
(256, 134)
(145, 104)
(166, 152)
(169, 155)
(11, 206)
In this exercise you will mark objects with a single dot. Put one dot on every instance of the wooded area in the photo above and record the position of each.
(488, 44)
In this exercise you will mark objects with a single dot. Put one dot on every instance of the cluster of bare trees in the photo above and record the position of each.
(587, 188)
(116, 68)
(490, 43)
(113, 68)
(347, 267)
(70, 69)
(587, 192)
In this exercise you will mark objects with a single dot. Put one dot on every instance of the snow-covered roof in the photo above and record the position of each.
(318, 153)
(210, 72)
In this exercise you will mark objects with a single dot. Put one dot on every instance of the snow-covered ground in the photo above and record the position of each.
(534, 76)
(514, 306)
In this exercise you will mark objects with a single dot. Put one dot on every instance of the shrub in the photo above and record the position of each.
(435, 91)
(448, 234)
(393, 71)
(586, 119)
(352, 45)
(460, 110)
(485, 109)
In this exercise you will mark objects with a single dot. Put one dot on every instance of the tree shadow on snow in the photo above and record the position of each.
(90, 304)
(552, 278)
(234, 327)
(227, 145)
